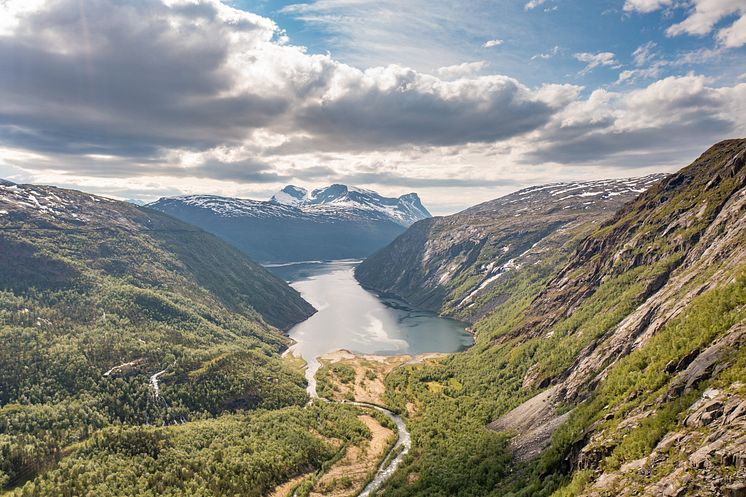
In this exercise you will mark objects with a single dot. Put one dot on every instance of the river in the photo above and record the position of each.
(349, 317)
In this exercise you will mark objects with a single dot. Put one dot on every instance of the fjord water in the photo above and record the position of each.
(349, 317)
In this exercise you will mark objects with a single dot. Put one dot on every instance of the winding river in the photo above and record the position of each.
(349, 317)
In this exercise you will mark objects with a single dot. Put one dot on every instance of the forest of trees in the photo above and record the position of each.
(134, 362)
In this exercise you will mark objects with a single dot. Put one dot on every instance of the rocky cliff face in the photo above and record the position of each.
(674, 261)
(458, 264)
(610, 354)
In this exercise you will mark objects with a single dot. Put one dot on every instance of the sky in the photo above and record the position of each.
(460, 101)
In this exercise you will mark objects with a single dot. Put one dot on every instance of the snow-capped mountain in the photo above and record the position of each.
(334, 222)
(19, 202)
(576, 195)
(405, 210)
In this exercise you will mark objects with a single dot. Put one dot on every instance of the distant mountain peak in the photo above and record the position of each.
(290, 195)
(334, 222)
(403, 210)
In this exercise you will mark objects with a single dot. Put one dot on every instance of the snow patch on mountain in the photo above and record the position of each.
(290, 195)
(331, 202)
(230, 207)
(404, 210)
(566, 195)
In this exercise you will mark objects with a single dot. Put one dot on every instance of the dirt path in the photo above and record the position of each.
(284, 489)
(347, 476)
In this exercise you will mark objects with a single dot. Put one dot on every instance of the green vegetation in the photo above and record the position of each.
(130, 367)
(642, 377)
(455, 455)
(57, 347)
(244, 454)
(344, 372)
(546, 314)
(325, 376)
(115, 320)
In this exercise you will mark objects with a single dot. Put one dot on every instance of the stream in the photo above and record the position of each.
(404, 441)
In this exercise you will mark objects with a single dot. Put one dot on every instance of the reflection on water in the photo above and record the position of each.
(352, 318)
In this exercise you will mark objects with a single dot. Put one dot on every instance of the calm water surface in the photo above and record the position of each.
(352, 318)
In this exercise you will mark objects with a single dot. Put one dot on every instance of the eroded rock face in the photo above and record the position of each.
(691, 229)
(702, 365)
(532, 423)
(707, 456)
(677, 220)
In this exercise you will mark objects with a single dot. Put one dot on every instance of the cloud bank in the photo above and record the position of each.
(160, 92)
(702, 18)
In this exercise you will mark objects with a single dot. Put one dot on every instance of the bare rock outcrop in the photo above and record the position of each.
(694, 220)
(707, 456)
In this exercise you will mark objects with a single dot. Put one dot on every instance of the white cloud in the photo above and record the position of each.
(547, 55)
(12, 11)
(645, 5)
(643, 73)
(393, 106)
(670, 117)
(735, 35)
(422, 34)
(199, 75)
(703, 17)
(644, 53)
(492, 43)
(462, 70)
(198, 97)
(593, 60)
(533, 4)
(699, 56)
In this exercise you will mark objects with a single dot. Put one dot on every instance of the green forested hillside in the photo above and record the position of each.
(620, 372)
(54, 238)
(113, 318)
(242, 454)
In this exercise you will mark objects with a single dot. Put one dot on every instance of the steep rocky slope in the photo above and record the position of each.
(336, 222)
(684, 242)
(458, 264)
(619, 372)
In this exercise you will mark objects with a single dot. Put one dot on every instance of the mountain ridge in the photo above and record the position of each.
(405, 209)
(612, 364)
(454, 273)
(336, 222)
(26, 208)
